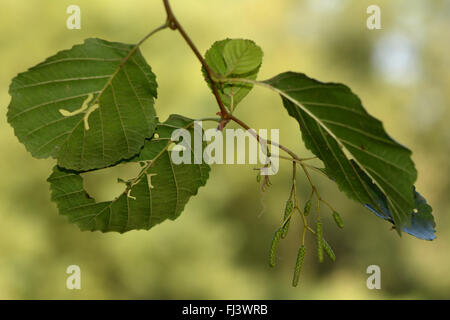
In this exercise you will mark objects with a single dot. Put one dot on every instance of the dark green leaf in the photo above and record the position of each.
(161, 193)
(86, 106)
(337, 129)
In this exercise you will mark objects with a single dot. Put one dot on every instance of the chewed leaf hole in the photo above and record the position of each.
(103, 185)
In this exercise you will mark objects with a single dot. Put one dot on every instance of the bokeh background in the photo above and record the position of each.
(218, 248)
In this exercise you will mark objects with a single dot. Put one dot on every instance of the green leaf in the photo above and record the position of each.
(337, 129)
(88, 106)
(160, 192)
(241, 56)
(234, 58)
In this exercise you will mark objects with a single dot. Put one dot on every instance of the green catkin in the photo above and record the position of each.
(287, 212)
(307, 208)
(319, 240)
(273, 247)
(338, 219)
(298, 265)
(328, 250)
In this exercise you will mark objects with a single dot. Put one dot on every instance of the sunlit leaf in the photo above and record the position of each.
(234, 58)
(241, 56)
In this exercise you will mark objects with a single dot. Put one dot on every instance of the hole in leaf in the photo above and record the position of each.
(102, 185)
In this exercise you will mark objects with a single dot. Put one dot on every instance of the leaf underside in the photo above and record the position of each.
(422, 224)
(144, 206)
(234, 58)
(119, 98)
(352, 144)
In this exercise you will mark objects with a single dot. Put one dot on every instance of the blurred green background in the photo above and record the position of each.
(218, 248)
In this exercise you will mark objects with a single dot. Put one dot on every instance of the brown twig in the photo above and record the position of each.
(175, 25)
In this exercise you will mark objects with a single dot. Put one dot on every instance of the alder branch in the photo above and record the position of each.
(174, 24)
